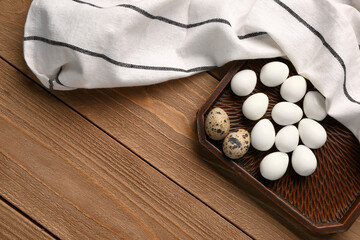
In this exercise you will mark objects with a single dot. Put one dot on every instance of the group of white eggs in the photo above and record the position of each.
(285, 113)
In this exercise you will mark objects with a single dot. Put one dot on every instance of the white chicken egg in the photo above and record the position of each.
(274, 165)
(312, 134)
(303, 161)
(287, 139)
(262, 135)
(274, 73)
(293, 89)
(255, 106)
(314, 106)
(243, 83)
(285, 113)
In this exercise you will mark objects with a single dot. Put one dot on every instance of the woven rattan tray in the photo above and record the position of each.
(327, 201)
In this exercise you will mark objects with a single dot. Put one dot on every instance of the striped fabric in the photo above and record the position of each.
(73, 44)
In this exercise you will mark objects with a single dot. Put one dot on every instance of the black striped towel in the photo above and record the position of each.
(73, 44)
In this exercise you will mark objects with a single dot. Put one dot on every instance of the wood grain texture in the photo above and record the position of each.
(13, 225)
(12, 19)
(168, 141)
(202, 176)
(164, 117)
(79, 183)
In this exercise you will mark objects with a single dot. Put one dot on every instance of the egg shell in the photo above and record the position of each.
(312, 134)
(217, 124)
(274, 165)
(243, 82)
(236, 144)
(314, 106)
(285, 113)
(263, 135)
(303, 161)
(293, 89)
(274, 73)
(287, 139)
(255, 106)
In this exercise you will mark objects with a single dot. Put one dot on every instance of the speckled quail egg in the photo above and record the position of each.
(236, 144)
(217, 124)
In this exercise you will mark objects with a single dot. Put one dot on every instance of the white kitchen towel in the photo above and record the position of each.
(73, 44)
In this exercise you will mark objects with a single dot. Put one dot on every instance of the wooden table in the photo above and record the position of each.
(118, 163)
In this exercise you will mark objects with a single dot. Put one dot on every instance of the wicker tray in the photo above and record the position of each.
(327, 201)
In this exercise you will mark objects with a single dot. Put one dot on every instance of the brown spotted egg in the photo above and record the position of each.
(236, 144)
(217, 124)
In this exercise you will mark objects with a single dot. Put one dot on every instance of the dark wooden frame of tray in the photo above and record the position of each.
(347, 219)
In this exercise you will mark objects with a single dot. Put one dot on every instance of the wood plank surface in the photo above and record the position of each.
(79, 183)
(13, 225)
(215, 185)
(169, 142)
(164, 116)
